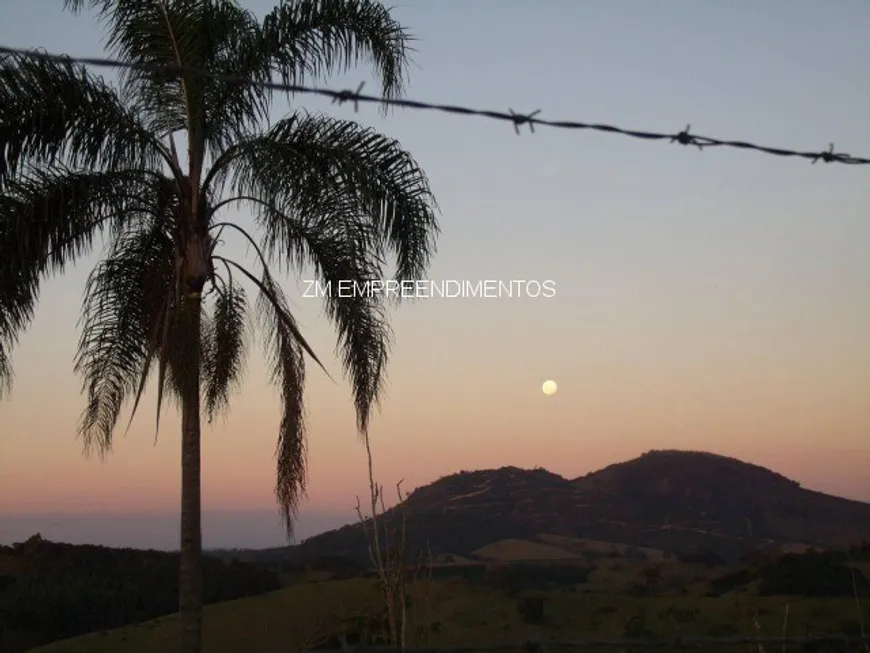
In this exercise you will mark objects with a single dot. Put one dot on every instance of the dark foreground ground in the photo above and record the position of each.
(609, 592)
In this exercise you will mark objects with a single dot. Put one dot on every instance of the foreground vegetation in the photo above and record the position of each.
(639, 595)
(51, 591)
(302, 617)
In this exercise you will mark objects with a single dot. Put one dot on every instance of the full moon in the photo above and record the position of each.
(549, 387)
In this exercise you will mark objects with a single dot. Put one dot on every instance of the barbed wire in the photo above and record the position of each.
(545, 646)
(518, 120)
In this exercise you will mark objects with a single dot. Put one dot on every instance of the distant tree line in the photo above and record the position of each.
(812, 574)
(51, 591)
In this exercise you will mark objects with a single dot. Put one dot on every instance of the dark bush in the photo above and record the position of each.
(638, 590)
(812, 574)
(472, 573)
(732, 581)
(531, 610)
(633, 553)
(702, 556)
(520, 577)
(6, 581)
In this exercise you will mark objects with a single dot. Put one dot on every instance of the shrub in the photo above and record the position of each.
(531, 610)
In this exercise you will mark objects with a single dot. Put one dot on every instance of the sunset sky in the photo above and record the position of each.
(715, 300)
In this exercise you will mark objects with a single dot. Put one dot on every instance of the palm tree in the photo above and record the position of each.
(85, 161)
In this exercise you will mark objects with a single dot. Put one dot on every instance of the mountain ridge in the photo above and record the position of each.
(670, 499)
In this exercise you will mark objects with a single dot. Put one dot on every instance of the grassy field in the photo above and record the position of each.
(587, 547)
(558, 547)
(512, 550)
(456, 613)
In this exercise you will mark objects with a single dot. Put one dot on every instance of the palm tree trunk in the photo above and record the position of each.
(190, 577)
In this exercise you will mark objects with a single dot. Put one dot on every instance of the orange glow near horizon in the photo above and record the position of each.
(609, 411)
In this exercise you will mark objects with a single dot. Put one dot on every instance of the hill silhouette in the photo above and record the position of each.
(677, 501)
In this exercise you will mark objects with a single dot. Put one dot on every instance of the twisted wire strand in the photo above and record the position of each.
(683, 137)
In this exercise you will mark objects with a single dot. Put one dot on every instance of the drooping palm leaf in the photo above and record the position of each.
(226, 347)
(158, 34)
(316, 38)
(314, 164)
(49, 218)
(339, 256)
(126, 299)
(285, 354)
(335, 195)
(52, 111)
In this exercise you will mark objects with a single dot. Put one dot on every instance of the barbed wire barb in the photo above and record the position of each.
(521, 119)
(340, 97)
(685, 138)
(349, 96)
(826, 156)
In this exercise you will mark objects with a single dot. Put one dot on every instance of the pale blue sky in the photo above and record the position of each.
(712, 300)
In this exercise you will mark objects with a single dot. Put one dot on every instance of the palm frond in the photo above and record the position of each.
(18, 293)
(341, 171)
(217, 36)
(336, 195)
(125, 301)
(75, 6)
(233, 109)
(340, 256)
(158, 34)
(226, 346)
(49, 219)
(316, 38)
(52, 111)
(364, 339)
(285, 354)
(17, 303)
(6, 372)
(276, 297)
